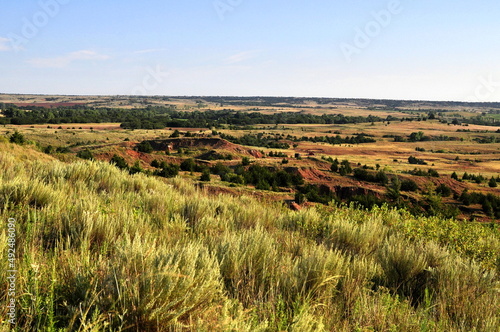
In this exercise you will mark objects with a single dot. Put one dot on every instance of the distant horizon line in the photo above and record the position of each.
(252, 96)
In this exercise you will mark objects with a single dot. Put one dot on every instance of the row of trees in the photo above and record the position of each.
(356, 139)
(263, 178)
(161, 117)
(260, 140)
(477, 178)
(490, 203)
(421, 137)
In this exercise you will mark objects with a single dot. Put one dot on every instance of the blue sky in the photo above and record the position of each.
(407, 49)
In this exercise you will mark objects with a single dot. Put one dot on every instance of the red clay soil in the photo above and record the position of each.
(212, 143)
(342, 186)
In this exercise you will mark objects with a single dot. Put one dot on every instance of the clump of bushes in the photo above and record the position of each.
(409, 185)
(85, 154)
(415, 161)
(167, 170)
(490, 203)
(430, 172)
(17, 138)
(145, 147)
(364, 175)
(343, 168)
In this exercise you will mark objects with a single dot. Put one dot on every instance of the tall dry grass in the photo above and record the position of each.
(101, 250)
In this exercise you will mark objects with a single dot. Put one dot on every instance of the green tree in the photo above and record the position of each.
(188, 165)
(262, 185)
(335, 166)
(85, 154)
(119, 162)
(145, 147)
(345, 168)
(49, 149)
(382, 177)
(300, 198)
(417, 136)
(443, 190)
(394, 190)
(493, 183)
(17, 138)
(205, 175)
(168, 170)
(136, 168)
(409, 185)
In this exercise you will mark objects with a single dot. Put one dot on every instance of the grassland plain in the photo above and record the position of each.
(99, 249)
(463, 153)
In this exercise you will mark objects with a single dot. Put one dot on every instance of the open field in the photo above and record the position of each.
(445, 148)
(477, 158)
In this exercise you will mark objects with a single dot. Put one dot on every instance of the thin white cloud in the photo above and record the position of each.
(240, 57)
(66, 60)
(4, 44)
(151, 50)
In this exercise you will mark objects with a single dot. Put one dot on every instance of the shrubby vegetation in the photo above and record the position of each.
(355, 139)
(490, 203)
(17, 138)
(85, 154)
(365, 175)
(488, 140)
(478, 178)
(430, 172)
(263, 178)
(161, 117)
(145, 147)
(260, 140)
(415, 161)
(409, 185)
(343, 168)
(141, 253)
(421, 137)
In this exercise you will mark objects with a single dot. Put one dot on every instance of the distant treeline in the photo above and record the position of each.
(161, 117)
(356, 139)
(421, 137)
(389, 104)
(275, 141)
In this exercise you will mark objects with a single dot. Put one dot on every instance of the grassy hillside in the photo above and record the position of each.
(100, 250)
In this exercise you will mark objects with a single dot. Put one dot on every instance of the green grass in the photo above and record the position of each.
(101, 250)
